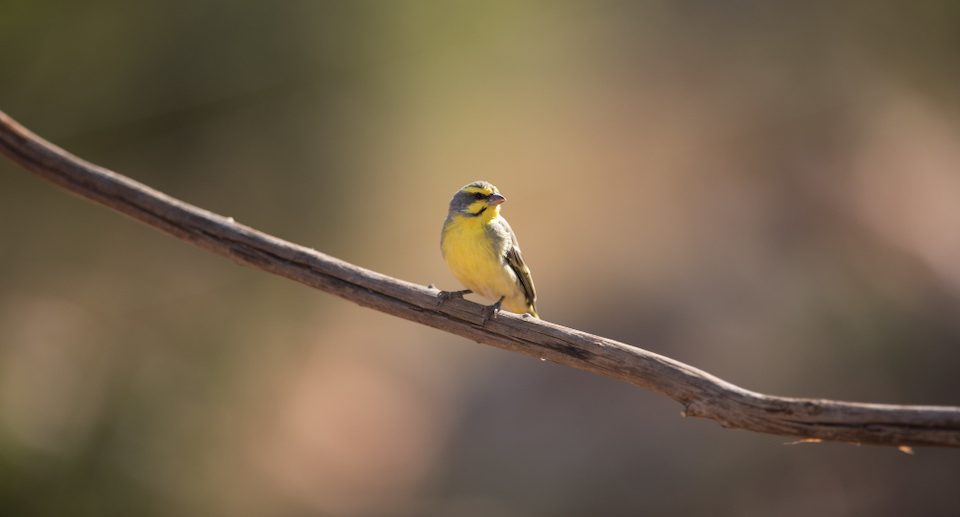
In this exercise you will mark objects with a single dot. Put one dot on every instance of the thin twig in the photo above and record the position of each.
(700, 393)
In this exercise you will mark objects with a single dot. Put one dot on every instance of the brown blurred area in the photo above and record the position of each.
(770, 193)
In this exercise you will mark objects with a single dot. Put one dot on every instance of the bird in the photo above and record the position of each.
(482, 252)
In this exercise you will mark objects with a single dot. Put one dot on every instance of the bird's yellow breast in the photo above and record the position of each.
(475, 259)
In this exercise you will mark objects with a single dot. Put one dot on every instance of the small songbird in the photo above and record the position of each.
(481, 250)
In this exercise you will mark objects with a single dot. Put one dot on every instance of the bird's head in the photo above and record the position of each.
(477, 199)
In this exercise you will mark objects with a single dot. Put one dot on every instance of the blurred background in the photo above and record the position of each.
(770, 193)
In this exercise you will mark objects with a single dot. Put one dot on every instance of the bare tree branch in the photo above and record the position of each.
(700, 393)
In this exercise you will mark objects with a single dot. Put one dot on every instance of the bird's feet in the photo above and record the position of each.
(443, 296)
(490, 311)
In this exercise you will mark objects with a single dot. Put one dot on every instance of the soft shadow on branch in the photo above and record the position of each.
(700, 393)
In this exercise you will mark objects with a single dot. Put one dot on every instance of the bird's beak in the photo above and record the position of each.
(495, 199)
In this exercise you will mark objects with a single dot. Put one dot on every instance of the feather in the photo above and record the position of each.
(514, 259)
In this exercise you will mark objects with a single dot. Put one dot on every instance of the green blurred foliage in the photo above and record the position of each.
(767, 191)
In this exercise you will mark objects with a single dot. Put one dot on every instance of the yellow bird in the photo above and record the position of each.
(481, 250)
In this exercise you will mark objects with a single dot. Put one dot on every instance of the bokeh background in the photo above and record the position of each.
(768, 191)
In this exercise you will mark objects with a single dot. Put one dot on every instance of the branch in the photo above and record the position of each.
(700, 393)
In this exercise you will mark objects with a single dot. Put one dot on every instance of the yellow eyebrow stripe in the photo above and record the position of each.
(476, 190)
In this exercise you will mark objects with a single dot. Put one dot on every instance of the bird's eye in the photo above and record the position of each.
(479, 195)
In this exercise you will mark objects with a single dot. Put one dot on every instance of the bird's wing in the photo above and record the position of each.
(515, 260)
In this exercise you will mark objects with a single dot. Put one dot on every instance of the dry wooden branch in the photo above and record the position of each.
(700, 393)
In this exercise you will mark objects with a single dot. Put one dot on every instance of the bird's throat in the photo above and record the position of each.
(486, 214)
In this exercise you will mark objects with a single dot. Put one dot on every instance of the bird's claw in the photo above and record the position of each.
(443, 296)
(490, 311)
